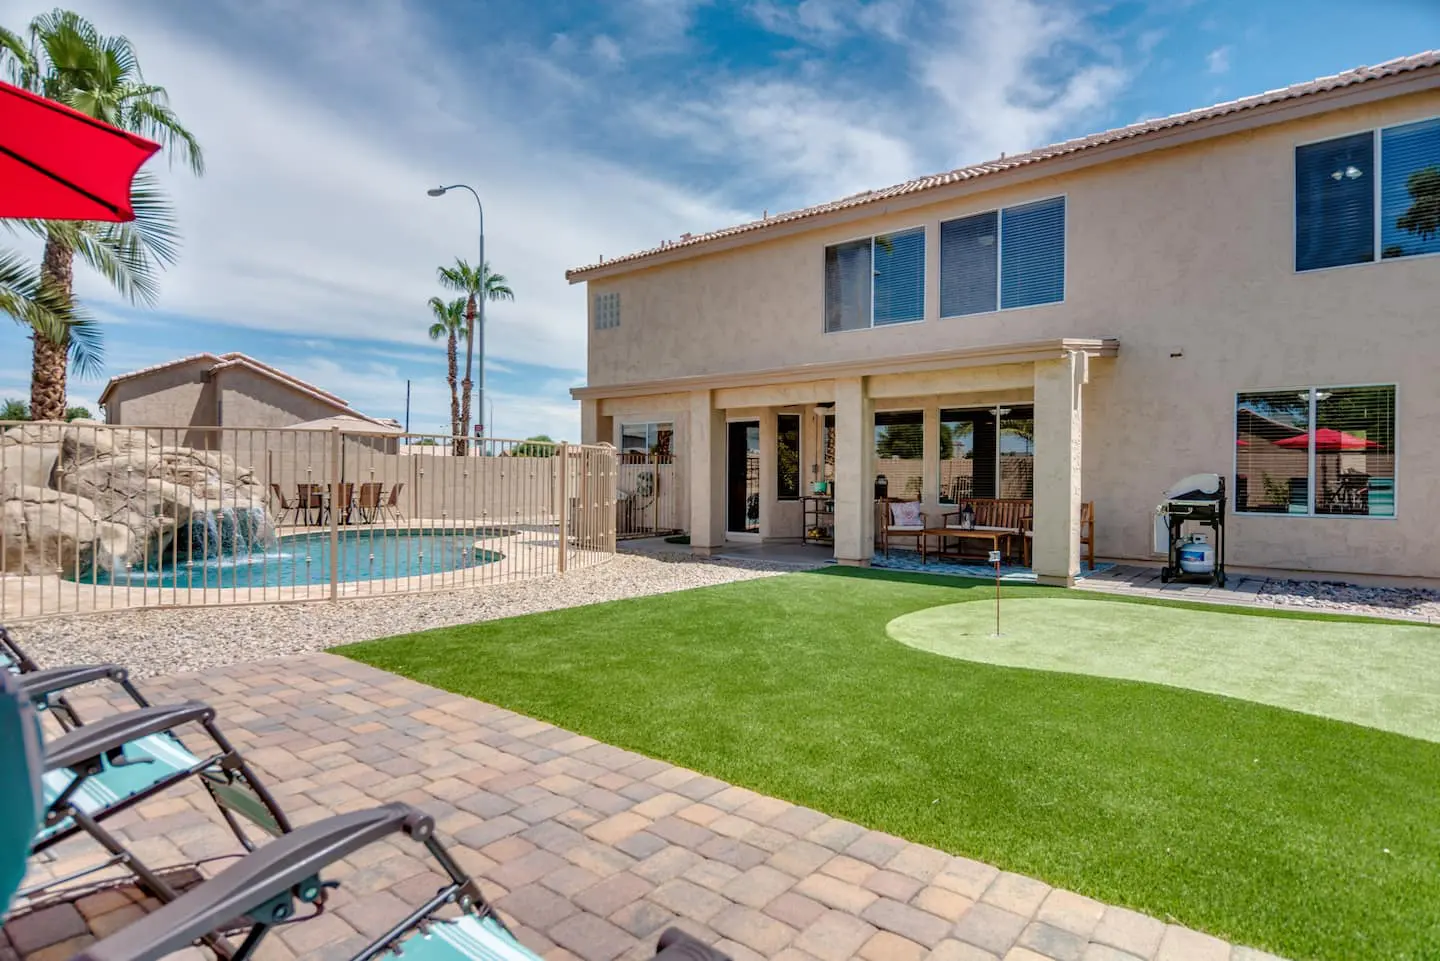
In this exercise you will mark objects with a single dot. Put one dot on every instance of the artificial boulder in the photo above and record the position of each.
(168, 500)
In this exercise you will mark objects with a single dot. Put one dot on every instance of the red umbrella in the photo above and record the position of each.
(1328, 441)
(58, 164)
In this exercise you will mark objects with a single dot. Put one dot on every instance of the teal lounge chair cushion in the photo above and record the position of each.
(20, 805)
(480, 939)
(153, 758)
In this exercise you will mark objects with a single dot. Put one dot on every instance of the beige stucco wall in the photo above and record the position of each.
(248, 399)
(177, 396)
(1188, 251)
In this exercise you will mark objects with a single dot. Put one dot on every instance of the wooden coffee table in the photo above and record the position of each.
(999, 537)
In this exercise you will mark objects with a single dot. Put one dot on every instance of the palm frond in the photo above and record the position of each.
(150, 117)
(155, 225)
(47, 314)
(115, 254)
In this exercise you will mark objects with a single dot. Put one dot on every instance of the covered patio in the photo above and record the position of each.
(793, 454)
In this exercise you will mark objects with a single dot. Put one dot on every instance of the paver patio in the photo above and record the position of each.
(588, 850)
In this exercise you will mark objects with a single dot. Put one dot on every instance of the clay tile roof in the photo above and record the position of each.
(1420, 61)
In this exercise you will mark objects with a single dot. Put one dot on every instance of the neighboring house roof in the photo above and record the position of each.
(1148, 129)
(236, 360)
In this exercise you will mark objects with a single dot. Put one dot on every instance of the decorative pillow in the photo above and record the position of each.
(905, 514)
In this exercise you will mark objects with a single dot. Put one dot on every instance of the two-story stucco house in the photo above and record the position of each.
(1249, 289)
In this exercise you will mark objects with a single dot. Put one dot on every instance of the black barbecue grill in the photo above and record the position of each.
(1197, 500)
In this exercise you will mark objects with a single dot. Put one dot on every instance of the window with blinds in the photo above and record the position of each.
(969, 264)
(1341, 183)
(848, 281)
(1335, 202)
(1013, 257)
(1410, 189)
(1316, 451)
(1032, 254)
(876, 281)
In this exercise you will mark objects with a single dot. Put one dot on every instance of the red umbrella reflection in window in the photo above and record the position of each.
(1328, 441)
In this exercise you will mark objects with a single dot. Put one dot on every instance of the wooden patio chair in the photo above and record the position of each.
(310, 497)
(286, 506)
(368, 503)
(1087, 533)
(900, 524)
(346, 503)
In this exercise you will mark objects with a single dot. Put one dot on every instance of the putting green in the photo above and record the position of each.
(1385, 676)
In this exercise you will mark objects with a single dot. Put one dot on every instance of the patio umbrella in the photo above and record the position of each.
(58, 164)
(1328, 441)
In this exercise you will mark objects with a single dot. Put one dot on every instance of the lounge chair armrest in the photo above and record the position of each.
(86, 745)
(286, 863)
(37, 685)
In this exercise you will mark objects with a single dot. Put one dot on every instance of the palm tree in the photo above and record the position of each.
(450, 324)
(471, 282)
(68, 60)
(12, 408)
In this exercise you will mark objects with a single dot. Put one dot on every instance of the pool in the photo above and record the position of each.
(364, 554)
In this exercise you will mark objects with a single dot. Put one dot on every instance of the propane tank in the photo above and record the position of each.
(1197, 556)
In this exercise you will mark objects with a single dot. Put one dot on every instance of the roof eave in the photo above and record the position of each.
(985, 355)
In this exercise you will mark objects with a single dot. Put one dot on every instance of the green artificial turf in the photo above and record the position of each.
(1380, 675)
(1299, 834)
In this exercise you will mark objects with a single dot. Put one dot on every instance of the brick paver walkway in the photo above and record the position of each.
(589, 850)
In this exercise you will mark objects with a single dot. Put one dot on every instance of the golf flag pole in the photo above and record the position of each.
(995, 559)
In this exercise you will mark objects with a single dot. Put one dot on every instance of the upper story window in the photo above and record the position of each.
(1013, 257)
(1340, 185)
(876, 281)
(607, 311)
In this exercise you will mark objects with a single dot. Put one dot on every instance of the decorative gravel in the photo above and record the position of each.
(193, 639)
(1415, 603)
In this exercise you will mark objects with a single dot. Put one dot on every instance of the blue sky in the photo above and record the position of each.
(599, 128)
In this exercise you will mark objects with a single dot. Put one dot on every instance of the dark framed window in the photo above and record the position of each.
(876, 281)
(900, 451)
(1316, 451)
(1014, 257)
(1410, 189)
(987, 452)
(1335, 202)
(787, 457)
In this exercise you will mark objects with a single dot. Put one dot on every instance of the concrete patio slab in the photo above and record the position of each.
(587, 850)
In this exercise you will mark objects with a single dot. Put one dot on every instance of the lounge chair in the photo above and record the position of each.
(270, 886)
(20, 802)
(48, 684)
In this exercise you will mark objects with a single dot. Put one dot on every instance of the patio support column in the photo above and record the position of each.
(707, 474)
(1058, 421)
(854, 473)
(769, 467)
(930, 485)
(595, 429)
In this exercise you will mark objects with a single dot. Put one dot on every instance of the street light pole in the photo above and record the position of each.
(472, 334)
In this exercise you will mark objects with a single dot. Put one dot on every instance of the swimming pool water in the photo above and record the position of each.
(305, 559)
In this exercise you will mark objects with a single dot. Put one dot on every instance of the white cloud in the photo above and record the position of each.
(824, 22)
(1014, 76)
(1218, 60)
(606, 50)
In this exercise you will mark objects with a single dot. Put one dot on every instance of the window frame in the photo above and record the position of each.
(1310, 513)
(924, 278)
(994, 409)
(999, 213)
(652, 429)
(799, 449)
(1376, 228)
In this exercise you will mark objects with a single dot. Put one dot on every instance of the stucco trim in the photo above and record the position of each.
(1357, 87)
(1021, 353)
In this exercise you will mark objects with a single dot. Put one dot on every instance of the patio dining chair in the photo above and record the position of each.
(287, 506)
(392, 503)
(368, 501)
(282, 883)
(310, 497)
